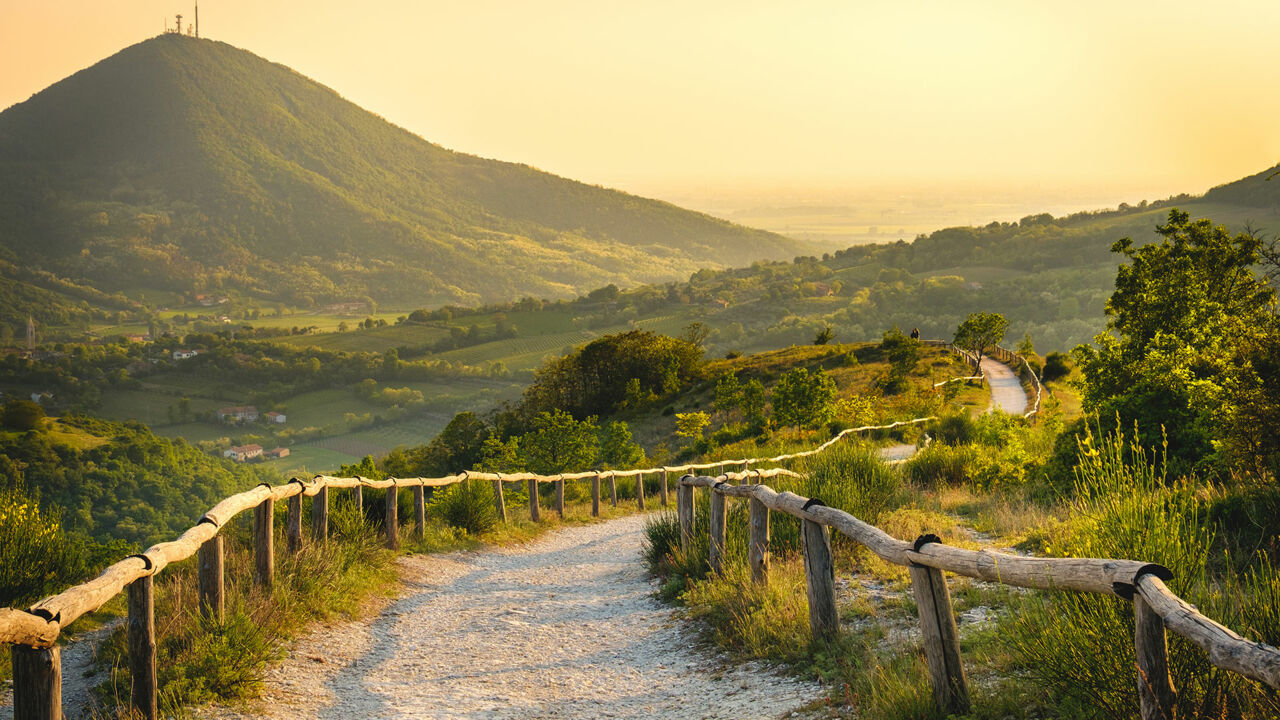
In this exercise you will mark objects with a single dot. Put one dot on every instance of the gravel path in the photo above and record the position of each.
(565, 626)
(1006, 390)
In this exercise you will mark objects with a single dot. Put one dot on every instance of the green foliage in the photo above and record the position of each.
(498, 455)
(728, 394)
(824, 336)
(598, 378)
(1080, 644)
(1195, 347)
(753, 402)
(692, 424)
(36, 556)
(558, 443)
(979, 331)
(903, 353)
(1056, 366)
(457, 447)
(22, 415)
(617, 449)
(804, 399)
(467, 505)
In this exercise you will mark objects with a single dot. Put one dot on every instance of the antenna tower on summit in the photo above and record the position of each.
(197, 19)
(178, 28)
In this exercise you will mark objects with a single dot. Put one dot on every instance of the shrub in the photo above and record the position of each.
(35, 555)
(954, 429)
(1056, 365)
(939, 465)
(467, 505)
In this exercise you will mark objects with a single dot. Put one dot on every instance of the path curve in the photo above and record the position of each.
(1006, 389)
(562, 627)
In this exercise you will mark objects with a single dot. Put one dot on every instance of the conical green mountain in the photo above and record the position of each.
(188, 165)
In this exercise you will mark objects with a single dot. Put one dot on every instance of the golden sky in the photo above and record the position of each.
(1166, 96)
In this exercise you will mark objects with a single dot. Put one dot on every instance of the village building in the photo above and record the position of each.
(275, 453)
(276, 417)
(239, 413)
(243, 453)
(185, 354)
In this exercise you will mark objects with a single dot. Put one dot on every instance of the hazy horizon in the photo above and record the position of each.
(734, 107)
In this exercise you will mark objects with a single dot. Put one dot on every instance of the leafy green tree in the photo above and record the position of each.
(1026, 348)
(980, 331)
(728, 393)
(498, 455)
(1190, 347)
(824, 336)
(692, 424)
(558, 443)
(803, 399)
(22, 415)
(456, 448)
(903, 354)
(753, 402)
(617, 449)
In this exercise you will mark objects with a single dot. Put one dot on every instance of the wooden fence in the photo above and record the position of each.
(1155, 607)
(37, 674)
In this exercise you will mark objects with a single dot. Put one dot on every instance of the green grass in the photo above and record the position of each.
(310, 460)
(151, 408)
(324, 407)
(520, 353)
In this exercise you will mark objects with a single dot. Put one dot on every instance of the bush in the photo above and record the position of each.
(954, 429)
(1080, 644)
(467, 505)
(1056, 365)
(939, 465)
(36, 557)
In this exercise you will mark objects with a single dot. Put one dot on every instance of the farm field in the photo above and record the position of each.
(151, 408)
(521, 353)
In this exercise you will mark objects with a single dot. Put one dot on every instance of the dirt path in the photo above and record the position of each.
(1006, 390)
(565, 626)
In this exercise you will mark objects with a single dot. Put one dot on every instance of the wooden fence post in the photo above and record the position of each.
(499, 502)
(758, 548)
(662, 489)
(595, 495)
(419, 512)
(640, 491)
(320, 515)
(719, 514)
(1155, 687)
(264, 542)
(37, 683)
(613, 489)
(142, 648)
(820, 580)
(560, 496)
(212, 587)
(941, 640)
(392, 524)
(358, 498)
(534, 510)
(294, 533)
(684, 509)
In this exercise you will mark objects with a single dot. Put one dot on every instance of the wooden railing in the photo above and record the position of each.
(1025, 373)
(1155, 607)
(37, 674)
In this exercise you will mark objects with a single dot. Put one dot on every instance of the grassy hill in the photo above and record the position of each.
(187, 166)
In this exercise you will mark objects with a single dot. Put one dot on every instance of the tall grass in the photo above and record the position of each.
(1081, 644)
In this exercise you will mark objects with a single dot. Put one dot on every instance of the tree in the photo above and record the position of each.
(558, 443)
(728, 393)
(980, 331)
(617, 449)
(22, 415)
(903, 354)
(803, 399)
(691, 424)
(456, 448)
(753, 400)
(696, 334)
(824, 336)
(1026, 348)
(1191, 346)
(500, 456)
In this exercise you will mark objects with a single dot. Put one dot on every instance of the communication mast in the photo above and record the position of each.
(178, 28)
(197, 19)
(31, 333)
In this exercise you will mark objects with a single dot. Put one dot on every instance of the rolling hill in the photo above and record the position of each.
(183, 166)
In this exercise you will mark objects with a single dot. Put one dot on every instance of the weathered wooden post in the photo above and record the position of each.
(758, 546)
(662, 489)
(419, 512)
(613, 489)
(1155, 687)
(640, 491)
(320, 515)
(264, 542)
(938, 630)
(210, 579)
(820, 580)
(560, 496)
(358, 498)
(595, 495)
(719, 514)
(684, 510)
(499, 503)
(293, 539)
(37, 683)
(142, 648)
(534, 510)
(392, 523)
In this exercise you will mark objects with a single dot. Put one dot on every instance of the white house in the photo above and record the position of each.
(243, 453)
(185, 354)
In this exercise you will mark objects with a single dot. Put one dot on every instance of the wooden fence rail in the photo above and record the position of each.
(1156, 607)
(33, 633)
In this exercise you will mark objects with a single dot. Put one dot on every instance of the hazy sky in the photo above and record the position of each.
(1161, 96)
